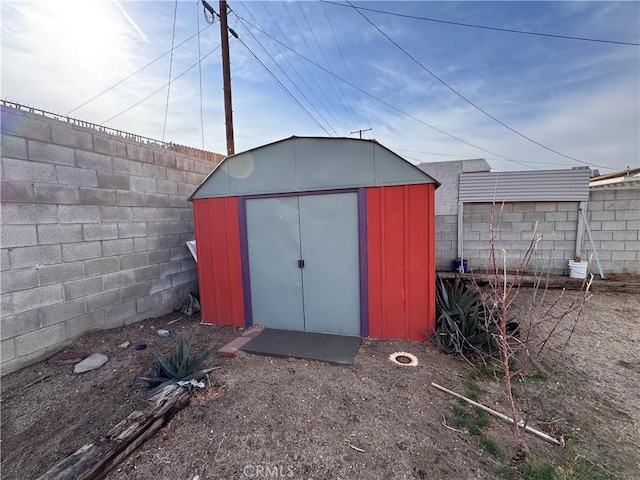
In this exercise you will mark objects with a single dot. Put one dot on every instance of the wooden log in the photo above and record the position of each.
(629, 285)
(94, 460)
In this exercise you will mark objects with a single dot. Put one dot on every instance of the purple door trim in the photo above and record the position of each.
(362, 233)
(364, 264)
(244, 259)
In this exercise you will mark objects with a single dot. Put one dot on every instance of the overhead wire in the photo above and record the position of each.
(285, 57)
(284, 72)
(465, 157)
(337, 93)
(477, 107)
(173, 38)
(200, 72)
(282, 86)
(421, 160)
(136, 72)
(430, 153)
(292, 82)
(346, 66)
(387, 104)
(161, 88)
(319, 86)
(485, 27)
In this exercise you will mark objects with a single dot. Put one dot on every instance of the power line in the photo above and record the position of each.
(430, 153)
(480, 109)
(335, 38)
(422, 122)
(173, 38)
(282, 86)
(485, 27)
(335, 92)
(320, 89)
(284, 72)
(136, 72)
(286, 58)
(289, 78)
(161, 88)
(200, 72)
(466, 157)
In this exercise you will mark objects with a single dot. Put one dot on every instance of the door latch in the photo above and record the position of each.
(300, 263)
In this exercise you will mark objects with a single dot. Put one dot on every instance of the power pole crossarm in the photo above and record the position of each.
(360, 132)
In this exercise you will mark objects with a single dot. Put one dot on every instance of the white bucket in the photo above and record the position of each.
(578, 269)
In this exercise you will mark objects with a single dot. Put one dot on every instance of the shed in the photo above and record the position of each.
(329, 235)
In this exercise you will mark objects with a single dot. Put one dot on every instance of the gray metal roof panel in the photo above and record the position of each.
(307, 164)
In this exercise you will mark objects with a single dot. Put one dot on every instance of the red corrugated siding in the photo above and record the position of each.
(219, 263)
(401, 261)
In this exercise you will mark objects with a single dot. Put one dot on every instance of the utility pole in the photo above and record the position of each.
(226, 77)
(226, 71)
(360, 132)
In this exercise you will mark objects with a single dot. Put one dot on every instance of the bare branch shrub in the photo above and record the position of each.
(518, 352)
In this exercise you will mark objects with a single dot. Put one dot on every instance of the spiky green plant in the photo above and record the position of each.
(464, 321)
(461, 318)
(179, 366)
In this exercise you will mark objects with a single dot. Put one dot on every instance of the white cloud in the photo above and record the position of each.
(579, 98)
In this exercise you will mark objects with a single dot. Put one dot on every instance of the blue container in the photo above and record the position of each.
(460, 266)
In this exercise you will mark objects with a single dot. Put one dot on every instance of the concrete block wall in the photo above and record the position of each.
(515, 227)
(614, 218)
(93, 233)
(446, 241)
(613, 212)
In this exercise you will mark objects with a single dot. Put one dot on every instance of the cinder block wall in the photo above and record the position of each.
(446, 241)
(515, 226)
(93, 233)
(613, 212)
(614, 218)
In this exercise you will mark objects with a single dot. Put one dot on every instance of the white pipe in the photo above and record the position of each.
(461, 235)
(498, 414)
(580, 230)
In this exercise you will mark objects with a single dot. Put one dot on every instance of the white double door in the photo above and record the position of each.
(304, 262)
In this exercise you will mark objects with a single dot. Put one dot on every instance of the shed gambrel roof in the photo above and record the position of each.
(302, 164)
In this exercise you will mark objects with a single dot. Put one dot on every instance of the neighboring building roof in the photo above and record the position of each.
(300, 164)
(523, 186)
(464, 166)
(616, 177)
(449, 174)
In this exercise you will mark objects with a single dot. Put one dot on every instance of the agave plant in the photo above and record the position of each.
(461, 318)
(464, 322)
(179, 366)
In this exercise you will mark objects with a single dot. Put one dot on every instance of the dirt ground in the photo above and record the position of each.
(287, 418)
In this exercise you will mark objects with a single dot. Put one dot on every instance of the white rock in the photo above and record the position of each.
(124, 345)
(92, 362)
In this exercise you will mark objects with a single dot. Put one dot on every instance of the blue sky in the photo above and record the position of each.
(581, 99)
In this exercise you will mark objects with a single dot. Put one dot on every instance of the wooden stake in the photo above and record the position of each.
(36, 381)
(540, 434)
